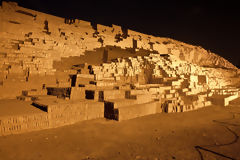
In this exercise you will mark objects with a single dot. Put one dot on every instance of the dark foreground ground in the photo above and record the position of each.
(209, 133)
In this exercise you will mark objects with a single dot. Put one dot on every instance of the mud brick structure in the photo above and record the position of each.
(56, 72)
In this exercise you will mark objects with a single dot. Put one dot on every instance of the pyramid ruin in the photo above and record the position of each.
(56, 71)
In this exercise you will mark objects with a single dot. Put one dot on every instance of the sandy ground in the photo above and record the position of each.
(209, 133)
(9, 107)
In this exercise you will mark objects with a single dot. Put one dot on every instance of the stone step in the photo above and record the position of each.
(222, 100)
(137, 110)
(118, 103)
(35, 97)
(34, 92)
(141, 98)
(68, 112)
(62, 92)
(113, 94)
(24, 98)
(45, 97)
(110, 106)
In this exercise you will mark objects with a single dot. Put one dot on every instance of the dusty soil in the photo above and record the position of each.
(10, 107)
(209, 133)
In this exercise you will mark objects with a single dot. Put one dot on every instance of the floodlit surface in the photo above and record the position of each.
(75, 90)
(214, 130)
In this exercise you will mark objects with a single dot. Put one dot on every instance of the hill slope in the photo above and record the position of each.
(34, 40)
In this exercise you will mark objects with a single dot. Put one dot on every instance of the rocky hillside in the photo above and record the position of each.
(196, 54)
(37, 48)
(32, 40)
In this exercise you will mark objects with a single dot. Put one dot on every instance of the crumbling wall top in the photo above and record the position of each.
(9, 6)
(117, 29)
(83, 23)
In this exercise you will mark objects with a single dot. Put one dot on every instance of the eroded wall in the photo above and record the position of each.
(30, 41)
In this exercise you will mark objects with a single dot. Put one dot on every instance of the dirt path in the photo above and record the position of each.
(208, 133)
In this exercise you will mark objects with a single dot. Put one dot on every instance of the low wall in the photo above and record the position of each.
(53, 115)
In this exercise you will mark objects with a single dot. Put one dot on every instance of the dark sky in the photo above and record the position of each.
(214, 25)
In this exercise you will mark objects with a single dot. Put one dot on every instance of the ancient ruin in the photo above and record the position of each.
(56, 71)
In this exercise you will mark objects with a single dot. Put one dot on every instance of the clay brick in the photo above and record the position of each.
(134, 111)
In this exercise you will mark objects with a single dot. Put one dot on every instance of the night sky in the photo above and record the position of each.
(214, 25)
